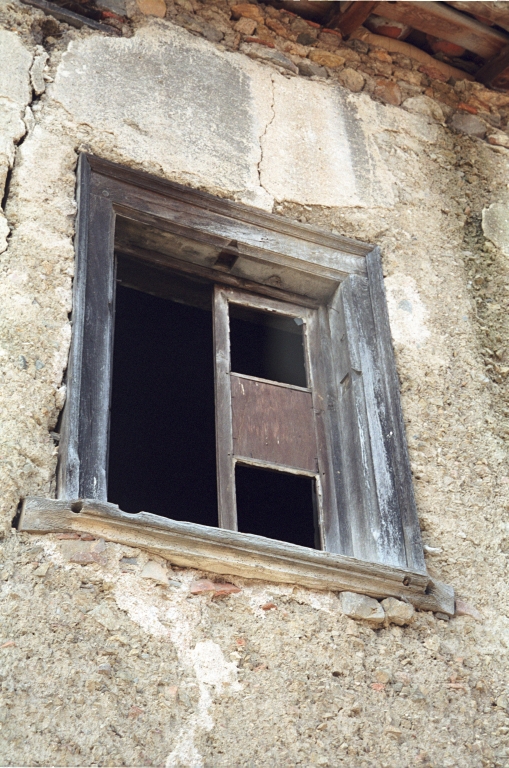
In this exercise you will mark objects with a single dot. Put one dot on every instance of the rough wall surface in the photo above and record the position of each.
(106, 662)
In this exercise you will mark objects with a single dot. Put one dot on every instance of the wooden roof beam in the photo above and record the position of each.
(444, 22)
(350, 19)
(495, 73)
(494, 13)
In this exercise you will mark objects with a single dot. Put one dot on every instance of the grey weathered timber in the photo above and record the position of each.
(305, 241)
(97, 351)
(267, 423)
(326, 502)
(232, 553)
(368, 472)
(397, 445)
(68, 472)
(224, 421)
(338, 532)
(438, 597)
(85, 425)
(209, 273)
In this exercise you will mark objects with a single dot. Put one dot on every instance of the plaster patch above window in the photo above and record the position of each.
(407, 312)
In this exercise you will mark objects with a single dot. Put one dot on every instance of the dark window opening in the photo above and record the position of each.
(162, 451)
(277, 505)
(267, 345)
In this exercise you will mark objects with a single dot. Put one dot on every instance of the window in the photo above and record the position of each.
(309, 437)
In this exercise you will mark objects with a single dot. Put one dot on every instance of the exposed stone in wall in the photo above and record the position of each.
(285, 40)
(101, 664)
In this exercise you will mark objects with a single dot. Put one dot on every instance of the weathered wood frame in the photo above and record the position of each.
(235, 554)
(227, 455)
(375, 518)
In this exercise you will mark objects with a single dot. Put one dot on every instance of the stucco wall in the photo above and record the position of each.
(101, 665)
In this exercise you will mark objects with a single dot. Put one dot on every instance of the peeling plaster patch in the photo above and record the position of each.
(407, 312)
(130, 597)
(213, 673)
(212, 668)
(185, 753)
(495, 225)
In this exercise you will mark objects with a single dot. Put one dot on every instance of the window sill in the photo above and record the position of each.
(238, 554)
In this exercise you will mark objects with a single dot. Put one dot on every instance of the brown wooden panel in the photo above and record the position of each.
(273, 423)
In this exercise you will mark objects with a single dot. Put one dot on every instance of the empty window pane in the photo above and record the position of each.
(162, 435)
(277, 505)
(267, 345)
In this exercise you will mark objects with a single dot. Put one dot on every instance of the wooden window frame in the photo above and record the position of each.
(377, 544)
(228, 455)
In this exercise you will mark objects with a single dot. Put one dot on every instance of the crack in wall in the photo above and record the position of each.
(265, 130)
(17, 140)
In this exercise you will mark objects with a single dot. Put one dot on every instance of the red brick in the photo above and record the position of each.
(223, 590)
(202, 587)
(205, 586)
(467, 108)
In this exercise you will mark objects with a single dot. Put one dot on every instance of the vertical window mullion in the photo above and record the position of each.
(327, 507)
(224, 429)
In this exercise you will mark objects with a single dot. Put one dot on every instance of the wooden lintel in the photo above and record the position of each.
(213, 274)
(439, 20)
(231, 553)
(351, 19)
(495, 73)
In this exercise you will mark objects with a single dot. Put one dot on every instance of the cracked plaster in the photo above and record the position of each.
(15, 94)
